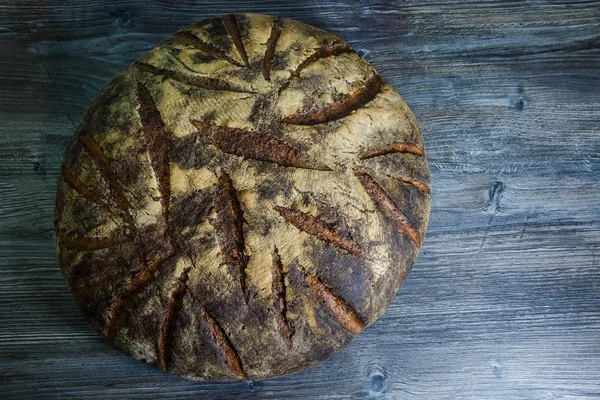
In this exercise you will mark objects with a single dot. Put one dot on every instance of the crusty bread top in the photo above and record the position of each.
(242, 200)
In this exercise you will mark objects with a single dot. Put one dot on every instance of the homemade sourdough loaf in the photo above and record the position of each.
(241, 201)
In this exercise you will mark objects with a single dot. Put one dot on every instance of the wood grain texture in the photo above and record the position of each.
(504, 300)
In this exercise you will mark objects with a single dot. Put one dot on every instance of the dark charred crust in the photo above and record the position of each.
(234, 31)
(78, 186)
(393, 148)
(227, 352)
(229, 226)
(267, 62)
(339, 109)
(189, 39)
(419, 185)
(387, 207)
(103, 164)
(257, 146)
(153, 128)
(319, 229)
(90, 243)
(127, 295)
(165, 341)
(197, 81)
(335, 306)
(278, 300)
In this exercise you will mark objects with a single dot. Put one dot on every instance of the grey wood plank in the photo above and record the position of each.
(504, 301)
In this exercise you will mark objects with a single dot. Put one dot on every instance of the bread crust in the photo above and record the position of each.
(242, 200)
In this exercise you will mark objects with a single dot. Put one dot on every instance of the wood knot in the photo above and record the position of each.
(494, 196)
(123, 20)
(519, 100)
(377, 383)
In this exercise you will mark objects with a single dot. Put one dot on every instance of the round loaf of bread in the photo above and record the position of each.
(241, 201)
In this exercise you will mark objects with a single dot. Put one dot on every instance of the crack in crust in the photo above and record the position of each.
(153, 128)
(103, 164)
(338, 109)
(191, 40)
(342, 312)
(319, 229)
(387, 206)
(234, 32)
(165, 342)
(257, 146)
(278, 300)
(229, 226)
(393, 148)
(197, 81)
(419, 185)
(270, 50)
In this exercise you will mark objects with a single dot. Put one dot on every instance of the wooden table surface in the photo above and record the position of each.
(504, 300)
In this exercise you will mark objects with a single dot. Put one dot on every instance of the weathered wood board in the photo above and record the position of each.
(504, 301)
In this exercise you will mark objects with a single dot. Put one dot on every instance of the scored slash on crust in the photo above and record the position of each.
(234, 32)
(327, 50)
(170, 316)
(229, 355)
(220, 339)
(229, 227)
(127, 295)
(387, 207)
(419, 185)
(334, 305)
(191, 40)
(397, 147)
(338, 109)
(153, 128)
(393, 148)
(257, 146)
(106, 171)
(78, 186)
(270, 50)
(192, 80)
(319, 229)
(278, 298)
